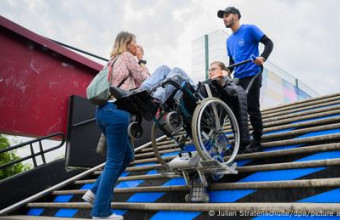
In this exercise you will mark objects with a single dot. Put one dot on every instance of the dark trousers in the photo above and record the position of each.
(253, 99)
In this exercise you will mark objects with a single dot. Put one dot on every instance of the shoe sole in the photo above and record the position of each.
(88, 199)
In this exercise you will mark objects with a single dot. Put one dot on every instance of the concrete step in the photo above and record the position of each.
(307, 102)
(25, 217)
(210, 210)
(245, 172)
(303, 183)
(304, 109)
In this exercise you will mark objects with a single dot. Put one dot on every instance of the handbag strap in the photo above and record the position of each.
(109, 77)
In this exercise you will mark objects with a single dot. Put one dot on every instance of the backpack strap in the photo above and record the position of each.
(122, 82)
(109, 77)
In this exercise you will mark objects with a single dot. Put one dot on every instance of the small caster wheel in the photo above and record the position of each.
(135, 130)
(206, 198)
(187, 198)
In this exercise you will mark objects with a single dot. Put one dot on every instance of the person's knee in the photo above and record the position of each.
(178, 70)
(164, 68)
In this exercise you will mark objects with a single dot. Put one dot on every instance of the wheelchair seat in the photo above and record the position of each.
(138, 102)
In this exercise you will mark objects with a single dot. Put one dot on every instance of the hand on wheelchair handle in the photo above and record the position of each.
(259, 61)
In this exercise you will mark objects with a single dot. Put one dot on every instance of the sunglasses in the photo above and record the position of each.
(213, 69)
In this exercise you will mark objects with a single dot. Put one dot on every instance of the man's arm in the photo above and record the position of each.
(268, 46)
(231, 62)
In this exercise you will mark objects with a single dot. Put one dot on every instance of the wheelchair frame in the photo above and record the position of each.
(218, 160)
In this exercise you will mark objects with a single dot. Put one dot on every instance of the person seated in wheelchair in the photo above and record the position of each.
(146, 98)
(223, 87)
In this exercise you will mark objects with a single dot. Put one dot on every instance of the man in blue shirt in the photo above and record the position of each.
(241, 45)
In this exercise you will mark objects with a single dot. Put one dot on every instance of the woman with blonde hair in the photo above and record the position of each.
(113, 123)
(129, 72)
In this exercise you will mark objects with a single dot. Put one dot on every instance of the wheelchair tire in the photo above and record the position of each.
(135, 130)
(207, 131)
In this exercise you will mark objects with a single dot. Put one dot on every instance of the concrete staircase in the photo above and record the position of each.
(297, 175)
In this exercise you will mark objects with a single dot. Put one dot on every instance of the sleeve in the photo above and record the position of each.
(268, 47)
(256, 33)
(231, 62)
(138, 73)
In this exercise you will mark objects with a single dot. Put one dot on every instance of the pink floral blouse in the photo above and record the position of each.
(126, 65)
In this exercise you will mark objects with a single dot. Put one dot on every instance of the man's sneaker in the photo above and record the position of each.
(89, 197)
(243, 146)
(254, 146)
(113, 216)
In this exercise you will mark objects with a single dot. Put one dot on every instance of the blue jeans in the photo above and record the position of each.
(113, 123)
(161, 73)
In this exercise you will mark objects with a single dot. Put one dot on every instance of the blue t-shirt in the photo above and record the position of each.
(241, 45)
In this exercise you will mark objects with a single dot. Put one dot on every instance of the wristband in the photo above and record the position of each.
(141, 62)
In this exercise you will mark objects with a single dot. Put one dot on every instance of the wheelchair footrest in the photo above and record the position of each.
(213, 166)
(185, 162)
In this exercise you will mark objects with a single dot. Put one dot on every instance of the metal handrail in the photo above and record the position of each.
(33, 155)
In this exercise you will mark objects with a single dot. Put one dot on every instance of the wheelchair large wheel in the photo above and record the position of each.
(211, 141)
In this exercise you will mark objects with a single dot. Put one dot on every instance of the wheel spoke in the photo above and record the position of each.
(212, 142)
(217, 119)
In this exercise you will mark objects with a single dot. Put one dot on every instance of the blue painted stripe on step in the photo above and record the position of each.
(241, 163)
(87, 186)
(151, 172)
(275, 175)
(319, 133)
(170, 154)
(119, 211)
(175, 182)
(145, 197)
(314, 109)
(295, 216)
(315, 119)
(190, 147)
(229, 195)
(63, 198)
(282, 147)
(278, 131)
(321, 156)
(178, 215)
(331, 196)
(144, 164)
(66, 212)
(35, 212)
(124, 174)
(129, 184)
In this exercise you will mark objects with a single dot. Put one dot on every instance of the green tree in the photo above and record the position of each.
(8, 157)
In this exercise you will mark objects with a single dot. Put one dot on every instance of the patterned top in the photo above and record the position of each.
(126, 65)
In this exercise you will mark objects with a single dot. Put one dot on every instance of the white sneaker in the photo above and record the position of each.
(89, 197)
(113, 216)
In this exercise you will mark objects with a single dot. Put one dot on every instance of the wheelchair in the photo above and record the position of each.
(189, 114)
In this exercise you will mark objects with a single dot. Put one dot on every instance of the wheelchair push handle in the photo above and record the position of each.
(252, 59)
